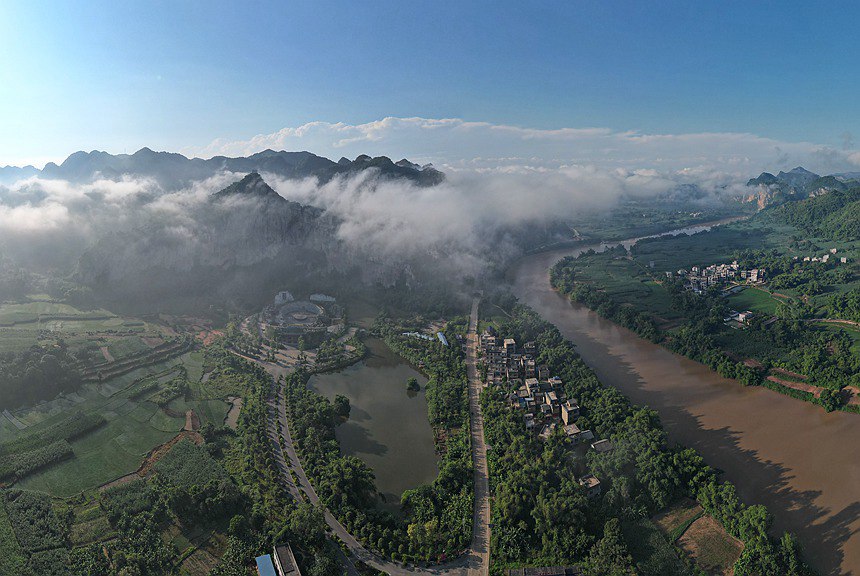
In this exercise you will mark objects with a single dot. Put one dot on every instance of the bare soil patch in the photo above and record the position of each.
(232, 419)
(106, 353)
(802, 386)
(853, 393)
(677, 515)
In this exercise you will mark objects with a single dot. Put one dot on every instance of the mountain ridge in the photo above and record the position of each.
(173, 171)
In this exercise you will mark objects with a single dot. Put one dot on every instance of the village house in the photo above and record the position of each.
(281, 562)
(541, 397)
(591, 485)
(698, 279)
(602, 446)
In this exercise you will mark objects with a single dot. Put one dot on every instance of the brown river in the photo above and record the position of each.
(792, 456)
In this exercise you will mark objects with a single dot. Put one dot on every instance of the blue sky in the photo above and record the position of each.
(177, 75)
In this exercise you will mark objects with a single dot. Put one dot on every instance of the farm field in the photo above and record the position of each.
(11, 556)
(708, 544)
(96, 336)
(135, 424)
(627, 281)
(718, 245)
(674, 521)
(701, 537)
(755, 300)
(653, 554)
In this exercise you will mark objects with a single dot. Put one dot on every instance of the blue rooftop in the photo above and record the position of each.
(265, 566)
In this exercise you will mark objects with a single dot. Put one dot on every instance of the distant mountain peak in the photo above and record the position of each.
(251, 186)
(173, 171)
(404, 163)
(765, 178)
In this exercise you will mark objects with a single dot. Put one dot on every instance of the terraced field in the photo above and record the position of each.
(134, 425)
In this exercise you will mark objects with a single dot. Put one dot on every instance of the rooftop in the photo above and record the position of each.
(265, 566)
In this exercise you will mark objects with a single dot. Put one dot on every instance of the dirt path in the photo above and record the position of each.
(106, 353)
(192, 421)
(802, 386)
(152, 458)
(851, 323)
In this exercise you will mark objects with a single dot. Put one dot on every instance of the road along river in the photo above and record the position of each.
(799, 461)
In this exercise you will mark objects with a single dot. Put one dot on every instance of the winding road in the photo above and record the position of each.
(476, 560)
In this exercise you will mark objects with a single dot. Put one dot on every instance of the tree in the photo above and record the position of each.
(609, 556)
(341, 406)
(412, 385)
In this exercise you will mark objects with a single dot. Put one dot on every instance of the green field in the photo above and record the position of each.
(755, 300)
(11, 556)
(653, 554)
(44, 322)
(718, 245)
(134, 425)
(625, 280)
(34, 310)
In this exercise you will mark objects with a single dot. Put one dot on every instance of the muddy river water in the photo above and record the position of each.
(799, 461)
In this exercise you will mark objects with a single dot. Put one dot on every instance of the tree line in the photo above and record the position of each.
(542, 516)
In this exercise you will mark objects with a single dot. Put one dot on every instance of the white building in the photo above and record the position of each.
(283, 297)
(322, 298)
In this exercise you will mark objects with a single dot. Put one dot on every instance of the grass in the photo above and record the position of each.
(193, 362)
(654, 556)
(12, 558)
(133, 429)
(710, 546)
(113, 451)
(95, 530)
(626, 280)
(755, 300)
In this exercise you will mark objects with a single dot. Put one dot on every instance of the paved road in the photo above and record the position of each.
(481, 520)
(476, 561)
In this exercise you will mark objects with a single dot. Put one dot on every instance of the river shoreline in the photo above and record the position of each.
(800, 462)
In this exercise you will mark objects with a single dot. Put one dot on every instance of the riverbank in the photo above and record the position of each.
(625, 287)
(788, 455)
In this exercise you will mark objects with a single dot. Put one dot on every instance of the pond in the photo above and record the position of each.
(388, 426)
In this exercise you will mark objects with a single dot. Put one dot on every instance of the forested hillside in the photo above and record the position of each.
(833, 216)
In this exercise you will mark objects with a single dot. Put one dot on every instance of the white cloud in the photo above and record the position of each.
(458, 144)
